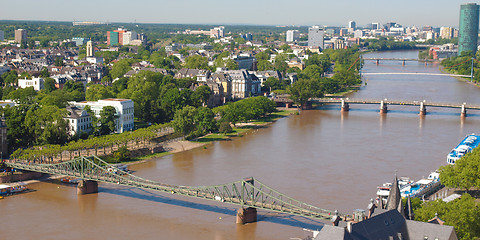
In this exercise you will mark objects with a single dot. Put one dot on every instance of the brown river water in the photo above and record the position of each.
(329, 159)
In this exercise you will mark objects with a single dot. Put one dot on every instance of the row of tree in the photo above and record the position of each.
(192, 122)
(140, 137)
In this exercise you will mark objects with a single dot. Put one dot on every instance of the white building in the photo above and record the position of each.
(128, 37)
(292, 35)
(36, 83)
(124, 107)
(78, 121)
(315, 37)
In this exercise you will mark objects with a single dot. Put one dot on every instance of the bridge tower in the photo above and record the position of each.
(345, 106)
(463, 112)
(383, 107)
(423, 109)
(87, 187)
(249, 214)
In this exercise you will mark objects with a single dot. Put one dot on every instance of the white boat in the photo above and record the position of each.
(423, 186)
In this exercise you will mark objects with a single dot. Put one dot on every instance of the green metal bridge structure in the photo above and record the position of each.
(249, 193)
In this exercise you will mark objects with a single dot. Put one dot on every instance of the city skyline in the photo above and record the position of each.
(267, 12)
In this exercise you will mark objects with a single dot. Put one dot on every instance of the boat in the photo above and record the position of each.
(422, 187)
(118, 168)
(384, 190)
(70, 180)
(469, 143)
(12, 189)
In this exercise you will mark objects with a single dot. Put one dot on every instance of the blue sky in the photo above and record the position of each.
(259, 12)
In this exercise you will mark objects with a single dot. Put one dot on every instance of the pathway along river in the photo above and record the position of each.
(323, 157)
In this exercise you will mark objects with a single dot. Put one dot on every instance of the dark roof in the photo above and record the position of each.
(388, 225)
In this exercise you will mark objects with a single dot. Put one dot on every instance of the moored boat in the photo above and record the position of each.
(469, 143)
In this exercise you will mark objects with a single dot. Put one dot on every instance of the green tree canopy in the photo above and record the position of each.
(196, 62)
(463, 214)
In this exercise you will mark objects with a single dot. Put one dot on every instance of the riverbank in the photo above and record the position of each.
(238, 130)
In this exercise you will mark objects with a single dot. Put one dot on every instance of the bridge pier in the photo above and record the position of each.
(403, 63)
(378, 62)
(87, 187)
(345, 106)
(463, 112)
(383, 107)
(246, 215)
(423, 110)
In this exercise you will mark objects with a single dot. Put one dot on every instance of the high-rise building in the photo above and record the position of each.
(89, 49)
(2, 35)
(446, 32)
(468, 34)
(375, 26)
(112, 38)
(292, 35)
(315, 37)
(352, 25)
(20, 35)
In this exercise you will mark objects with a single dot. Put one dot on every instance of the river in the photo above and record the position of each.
(329, 159)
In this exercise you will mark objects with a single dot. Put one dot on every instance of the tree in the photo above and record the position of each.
(264, 65)
(106, 122)
(196, 62)
(47, 124)
(464, 174)
(463, 214)
(262, 56)
(271, 84)
(44, 73)
(58, 62)
(205, 121)
(304, 89)
(183, 121)
(49, 85)
(120, 68)
(312, 72)
(23, 95)
(202, 94)
(19, 135)
(97, 92)
(10, 77)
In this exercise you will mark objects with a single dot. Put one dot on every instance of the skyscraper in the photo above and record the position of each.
(352, 24)
(468, 34)
(292, 35)
(315, 37)
(20, 35)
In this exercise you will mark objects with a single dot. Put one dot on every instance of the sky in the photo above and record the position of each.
(418, 13)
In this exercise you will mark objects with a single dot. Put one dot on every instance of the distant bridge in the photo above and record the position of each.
(345, 104)
(400, 59)
(403, 60)
(249, 193)
(411, 73)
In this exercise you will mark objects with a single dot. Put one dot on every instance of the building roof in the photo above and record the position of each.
(388, 225)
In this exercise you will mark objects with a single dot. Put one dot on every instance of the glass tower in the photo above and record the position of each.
(468, 34)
